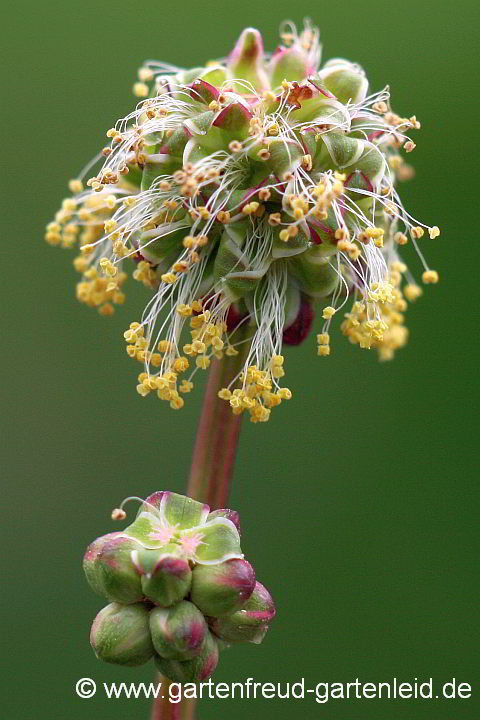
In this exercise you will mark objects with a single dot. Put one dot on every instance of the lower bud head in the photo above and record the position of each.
(119, 579)
(178, 632)
(223, 588)
(251, 622)
(121, 634)
(166, 577)
(197, 669)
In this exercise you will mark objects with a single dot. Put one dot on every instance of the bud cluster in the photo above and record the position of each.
(179, 588)
(246, 191)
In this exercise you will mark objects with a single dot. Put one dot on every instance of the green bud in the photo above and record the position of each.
(345, 80)
(165, 575)
(313, 272)
(178, 632)
(250, 623)
(233, 270)
(111, 571)
(246, 61)
(287, 64)
(198, 669)
(221, 589)
(285, 156)
(121, 634)
(90, 564)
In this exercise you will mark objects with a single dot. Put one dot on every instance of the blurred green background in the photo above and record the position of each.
(359, 500)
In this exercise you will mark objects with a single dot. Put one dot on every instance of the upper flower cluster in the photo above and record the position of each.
(179, 588)
(245, 191)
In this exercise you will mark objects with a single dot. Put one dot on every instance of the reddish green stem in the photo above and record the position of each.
(210, 474)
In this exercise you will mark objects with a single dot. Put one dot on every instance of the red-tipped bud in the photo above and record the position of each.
(246, 61)
(197, 669)
(251, 622)
(221, 589)
(165, 576)
(110, 571)
(178, 632)
(121, 634)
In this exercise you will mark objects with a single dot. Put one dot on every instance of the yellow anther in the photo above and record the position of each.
(417, 232)
(180, 364)
(434, 232)
(75, 186)
(198, 347)
(284, 393)
(69, 205)
(328, 312)
(430, 276)
(202, 361)
(230, 351)
(110, 225)
(145, 74)
(184, 310)
(142, 390)
(409, 146)
(323, 350)
(140, 89)
(400, 238)
(223, 216)
(169, 278)
(224, 394)
(176, 403)
(185, 386)
(323, 338)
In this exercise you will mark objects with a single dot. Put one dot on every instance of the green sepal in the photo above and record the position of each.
(220, 541)
(182, 511)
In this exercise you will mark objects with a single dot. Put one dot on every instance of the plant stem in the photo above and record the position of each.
(210, 474)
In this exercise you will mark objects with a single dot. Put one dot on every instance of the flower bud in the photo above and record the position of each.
(90, 564)
(221, 589)
(197, 669)
(250, 623)
(121, 634)
(178, 632)
(287, 64)
(345, 80)
(246, 61)
(165, 575)
(112, 571)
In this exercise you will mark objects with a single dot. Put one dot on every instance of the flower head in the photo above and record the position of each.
(244, 192)
(179, 588)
